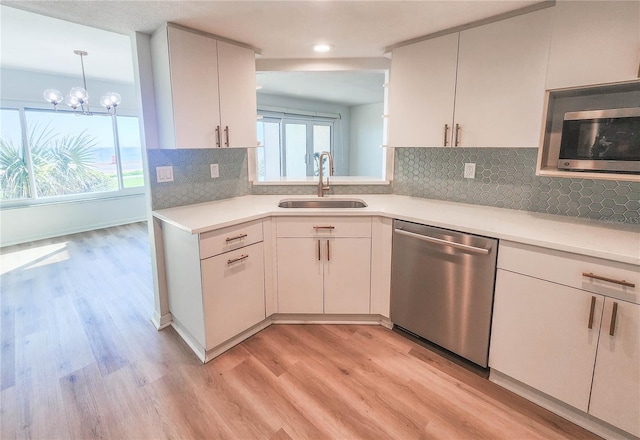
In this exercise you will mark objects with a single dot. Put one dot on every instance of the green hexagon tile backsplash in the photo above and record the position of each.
(505, 177)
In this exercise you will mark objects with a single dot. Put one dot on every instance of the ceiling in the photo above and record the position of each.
(279, 29)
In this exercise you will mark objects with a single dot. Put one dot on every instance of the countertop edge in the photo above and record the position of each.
(273, 211)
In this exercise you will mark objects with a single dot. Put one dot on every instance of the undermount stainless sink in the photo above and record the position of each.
(322, 203)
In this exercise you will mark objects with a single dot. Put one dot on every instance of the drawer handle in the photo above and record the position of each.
(235, 260)
(237, 237)
(592, 311)
(607, 279)
(614, 314)
(324, 227)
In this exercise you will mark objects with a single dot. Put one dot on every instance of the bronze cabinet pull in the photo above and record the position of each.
(591, 312)
(614, 314)
(328, 252)
(457, 142)
(226, 135)
(607, 279)
(324, 227)
(235, 260)
(217, 136)
(237, 237)
(446, 131)
(319, 250)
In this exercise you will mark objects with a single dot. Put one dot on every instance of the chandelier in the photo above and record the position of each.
(79, 97)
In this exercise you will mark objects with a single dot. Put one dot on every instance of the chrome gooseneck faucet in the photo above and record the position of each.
(321, 186)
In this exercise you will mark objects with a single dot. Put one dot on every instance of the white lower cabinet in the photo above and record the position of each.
(560, 337)
(233, 293)
(615, 396)
(215, 284)
(299, 276)
(541, 337)
(324, 265)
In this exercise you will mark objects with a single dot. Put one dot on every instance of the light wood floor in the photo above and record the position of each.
(80, 359)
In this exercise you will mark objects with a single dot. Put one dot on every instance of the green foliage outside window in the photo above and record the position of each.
(61, 165)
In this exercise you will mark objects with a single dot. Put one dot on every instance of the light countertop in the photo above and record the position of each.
(616, 242)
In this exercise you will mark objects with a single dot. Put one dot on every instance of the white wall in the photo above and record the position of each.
(21, 225)
(365, 140)
(28, 87)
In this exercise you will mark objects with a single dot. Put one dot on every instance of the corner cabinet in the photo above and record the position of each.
(482, 87)
(568, 326)
(323, 265)
(216, 285)
(204, 89)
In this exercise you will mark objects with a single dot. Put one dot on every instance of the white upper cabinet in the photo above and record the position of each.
(422, 87)
(501, 82)
(237, 87)
(493, 76)
(594, 43)
(205, 91)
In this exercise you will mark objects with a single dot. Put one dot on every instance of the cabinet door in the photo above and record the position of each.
(233, 287)
(501, 82)
(615, 397)
(593, 43)
(194, 89)
(347, 275)
(299, 263)
(540, 336)
(421, 92)
(238, 109)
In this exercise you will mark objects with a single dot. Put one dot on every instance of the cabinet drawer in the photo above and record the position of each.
(567, 269)
(324, 227)
(227, 239)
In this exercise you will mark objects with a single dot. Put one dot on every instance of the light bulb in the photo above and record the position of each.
(72, 101)
(53, 96)
(80, 93)
(111, 99)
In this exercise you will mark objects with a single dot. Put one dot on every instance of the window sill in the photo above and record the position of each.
(333, 180)
(75, 198)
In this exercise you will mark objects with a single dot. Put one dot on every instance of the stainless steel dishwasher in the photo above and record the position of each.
(442, 287)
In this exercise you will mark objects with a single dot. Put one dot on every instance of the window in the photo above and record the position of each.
(292, 147)
(64, 154)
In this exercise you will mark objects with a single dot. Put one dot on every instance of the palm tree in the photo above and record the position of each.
(60, 165)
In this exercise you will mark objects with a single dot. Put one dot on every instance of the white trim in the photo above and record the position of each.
(160, 322)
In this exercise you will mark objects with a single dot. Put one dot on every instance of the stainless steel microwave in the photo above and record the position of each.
(601, 140)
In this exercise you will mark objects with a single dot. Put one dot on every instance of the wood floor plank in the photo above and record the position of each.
(261, 388)
(39, 402)
(73, 349)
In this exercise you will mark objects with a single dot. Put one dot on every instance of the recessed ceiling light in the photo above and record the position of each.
(322, 47)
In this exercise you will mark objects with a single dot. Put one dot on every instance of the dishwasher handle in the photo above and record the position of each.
(453, 244)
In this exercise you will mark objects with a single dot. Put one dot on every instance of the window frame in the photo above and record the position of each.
(309, 122)
(22, 108)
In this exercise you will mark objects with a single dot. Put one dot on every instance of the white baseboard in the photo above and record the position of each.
(278, 318)
(574, 415)
(161, 321)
